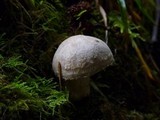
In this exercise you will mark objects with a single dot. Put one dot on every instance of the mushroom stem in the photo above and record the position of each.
(78, 88)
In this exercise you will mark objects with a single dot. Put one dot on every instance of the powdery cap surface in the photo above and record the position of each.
(81, 56)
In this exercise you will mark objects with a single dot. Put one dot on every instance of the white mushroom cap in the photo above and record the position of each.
(81, 56)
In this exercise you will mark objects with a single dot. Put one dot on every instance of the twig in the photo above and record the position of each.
(60, 75)
(60, 86)
(98, 90)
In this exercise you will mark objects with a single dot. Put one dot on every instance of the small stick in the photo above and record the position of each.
(60, 86)
(60, 75)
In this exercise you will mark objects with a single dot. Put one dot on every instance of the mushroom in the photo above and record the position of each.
(80, 57)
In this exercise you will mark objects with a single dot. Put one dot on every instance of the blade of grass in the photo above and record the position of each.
(143, 10)
(156, 24)
(104, 16)
(123, 9)
(145, 66)
(126, 30)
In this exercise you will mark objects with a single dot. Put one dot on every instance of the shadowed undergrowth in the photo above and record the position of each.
(30, 32)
